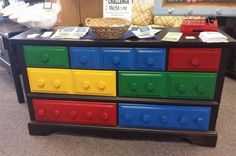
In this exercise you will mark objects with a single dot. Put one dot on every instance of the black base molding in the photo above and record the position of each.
(208, 138)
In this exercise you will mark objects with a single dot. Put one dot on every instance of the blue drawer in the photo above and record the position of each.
(150, 59)
(116, 58)
(84, 57)
(164, 117)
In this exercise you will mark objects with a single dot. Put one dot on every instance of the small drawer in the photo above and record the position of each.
(76, 112)
(150, 59)
(50, 80)
(84, 58)
(191, 85)
(142, 84)
(194, 59)
(116, 58)
(164, 117)
(92, 82)
(46, 56)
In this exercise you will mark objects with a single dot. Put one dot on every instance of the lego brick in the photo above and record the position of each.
(191, 85)
(116, 58)
(164, 117)
(46, 56)
(142, 84)
(94, 82)
(84, 57)
(194, 59)
(150, 59)
(76, 112)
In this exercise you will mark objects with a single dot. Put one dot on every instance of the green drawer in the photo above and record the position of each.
(142, 84)
(46, 56)
(191, 85)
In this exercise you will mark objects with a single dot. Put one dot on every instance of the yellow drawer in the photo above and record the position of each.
(50, 80)
(91, 82)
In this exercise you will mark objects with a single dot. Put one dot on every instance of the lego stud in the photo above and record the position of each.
(73, 114)
(116, 60)
(200, 89)
(183, 120)
(57, 84)
(45, 58)
(150, 87)
(181, 88)
(83, 60)
(105, 116)
(200, 121)
(146, 118)
(133, 86)
(164, 119)
(41, 83)
(41, 112)
(56, 113)
(150, 61)
(127, 117)
(86, 84)
(101, 85)
(89, 115)
(195, 62)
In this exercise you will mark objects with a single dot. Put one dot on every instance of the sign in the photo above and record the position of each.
(117, 8)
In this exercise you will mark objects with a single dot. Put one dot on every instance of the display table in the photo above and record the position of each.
(124, 88)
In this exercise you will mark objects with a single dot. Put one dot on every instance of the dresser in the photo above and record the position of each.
(124, 88)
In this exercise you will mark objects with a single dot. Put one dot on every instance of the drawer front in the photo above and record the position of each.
(194, 59)
(150, 59)
(46, 56)
(164, 117)
(77, 112)
(50, 80)
(92, 82)
(116, 58)
(142, 84)
(84, 58)
(192, 85)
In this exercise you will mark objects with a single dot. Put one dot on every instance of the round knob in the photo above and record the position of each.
(150, 87)
(133, 86)
(181, 88)
(218, 12)
(89, 115)
(150, 61)
(171, 10)
(83, 59)
(86, 84)
(127, 117)
(56, 113)
(195, 62)
(200, 121)
(101, 85)
(105, 116)
(41, 83)
(57, 84)
(45, 58)
(73, 114)
(116, 60)
(183, 120)
(189, 11)
(200, 89)
(41, 112)
(146, 118)
(164, 119)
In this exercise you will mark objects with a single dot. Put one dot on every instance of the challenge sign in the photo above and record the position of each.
(117, 8)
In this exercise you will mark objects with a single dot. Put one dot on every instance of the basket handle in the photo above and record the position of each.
(87, 21)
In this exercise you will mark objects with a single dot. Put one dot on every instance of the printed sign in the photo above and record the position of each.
(117, 8)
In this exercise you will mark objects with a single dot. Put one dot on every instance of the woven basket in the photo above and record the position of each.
(108, 28)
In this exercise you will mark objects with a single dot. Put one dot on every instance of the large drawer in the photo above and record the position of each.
(194, 59)
(164, 117)
(142, 84)
(191, 85)
(77, 112)
(46, 56)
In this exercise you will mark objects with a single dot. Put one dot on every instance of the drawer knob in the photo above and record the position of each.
(101, 85)
(200, 121)
(41, 112)
(86, 84)
(105, 116)
(150, 61)
(146, 118)
(133, 86)
(127, 117)
(150, 87)
(183, 120)
(56, 113)
(57, 84)
(195, 62)
(41, 83)
(45, 58)
(181, 88)
(83, 60)
(200, 89)
(73, 114)
(164, 119)
(89, 115)
(116, 60)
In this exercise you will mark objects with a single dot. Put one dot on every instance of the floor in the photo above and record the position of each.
(15, 141)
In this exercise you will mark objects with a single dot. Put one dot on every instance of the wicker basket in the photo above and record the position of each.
(108, 28)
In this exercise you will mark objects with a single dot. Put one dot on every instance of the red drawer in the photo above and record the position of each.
(194, 59)
(77, 112)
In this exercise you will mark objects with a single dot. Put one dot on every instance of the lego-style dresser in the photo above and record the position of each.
(124, 88)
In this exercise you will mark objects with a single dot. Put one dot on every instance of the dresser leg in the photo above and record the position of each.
(35, 129)
(209, 141)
